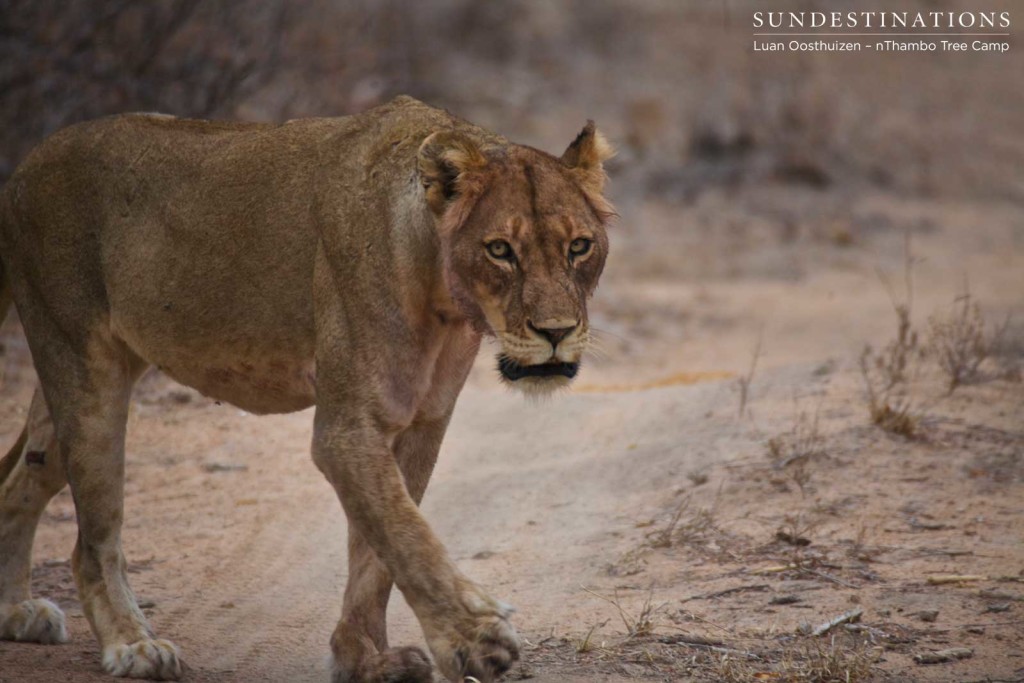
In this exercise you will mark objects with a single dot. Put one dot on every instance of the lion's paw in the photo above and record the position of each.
(154, 659)
(483, 645)
(33, 621)
(394, 665)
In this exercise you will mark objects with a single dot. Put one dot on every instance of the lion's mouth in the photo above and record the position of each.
(513, 371)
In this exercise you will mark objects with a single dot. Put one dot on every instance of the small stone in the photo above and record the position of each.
(928, 615)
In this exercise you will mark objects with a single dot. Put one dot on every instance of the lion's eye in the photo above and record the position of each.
(579, 246)
(500, 249)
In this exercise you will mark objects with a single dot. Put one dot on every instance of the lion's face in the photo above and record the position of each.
(524, 242)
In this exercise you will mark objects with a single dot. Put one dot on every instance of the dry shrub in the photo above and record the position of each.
(817, 661)
(829, 662)
(889, 405)
(587, 644)
(685, 526)
(795, 450)
(644, 622)
(887, 373)
(861, 548)
(960, 343)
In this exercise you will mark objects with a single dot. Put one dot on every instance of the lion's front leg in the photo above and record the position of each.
(467, 631)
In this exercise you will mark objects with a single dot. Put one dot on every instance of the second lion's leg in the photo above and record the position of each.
(30, 475)
(359, 644)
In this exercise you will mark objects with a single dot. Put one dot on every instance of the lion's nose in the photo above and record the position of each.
(554, 333)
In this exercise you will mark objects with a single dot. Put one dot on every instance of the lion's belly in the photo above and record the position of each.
(220, 305)
(253, 348)
(266, 385)
(259, 358)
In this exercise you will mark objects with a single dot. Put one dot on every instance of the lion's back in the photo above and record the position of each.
(196, 238)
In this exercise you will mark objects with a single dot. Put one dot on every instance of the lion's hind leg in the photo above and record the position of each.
(87, 378)
(30, 475)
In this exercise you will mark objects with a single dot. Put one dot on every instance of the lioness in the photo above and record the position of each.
(352, 263)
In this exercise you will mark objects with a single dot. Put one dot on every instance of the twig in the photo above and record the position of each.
(941, 579)
(845, 617)
(709, 623)
(729, 591)
(686, 639)
(940, 551)
(829, 577)
(706, 644)
(773, 570)
(745, 380)
(939, 656)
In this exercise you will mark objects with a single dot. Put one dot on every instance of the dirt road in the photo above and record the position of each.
(642, 486)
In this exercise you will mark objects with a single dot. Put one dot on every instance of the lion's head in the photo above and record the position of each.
(523, 240)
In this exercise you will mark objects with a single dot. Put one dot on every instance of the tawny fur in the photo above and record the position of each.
(336, 262)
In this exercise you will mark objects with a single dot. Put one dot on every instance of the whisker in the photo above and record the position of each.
(597, 344)
(599, 333)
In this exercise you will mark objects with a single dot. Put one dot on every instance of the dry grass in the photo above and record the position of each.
(862, 548)
(795, 450)
(586, 644)
(797, 529)
(809, 661)
(745, 381)
(644, 622)
(959, 341)
(828, 662)
(890, 406)
(887, 373)
(684, 526)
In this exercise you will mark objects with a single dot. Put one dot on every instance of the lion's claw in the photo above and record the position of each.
(488, 662)
(483, 649)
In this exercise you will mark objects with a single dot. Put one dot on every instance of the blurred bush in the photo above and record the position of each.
(674, 83)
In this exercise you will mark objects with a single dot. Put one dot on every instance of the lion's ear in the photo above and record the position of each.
(447, 162)
(587, 155)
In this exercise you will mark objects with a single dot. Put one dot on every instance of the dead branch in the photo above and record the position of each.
(844, 618)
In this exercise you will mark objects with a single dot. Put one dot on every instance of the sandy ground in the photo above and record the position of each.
(642, 485)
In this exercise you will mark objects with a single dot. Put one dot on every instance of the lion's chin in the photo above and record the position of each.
(537, 380)
(538, 387)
